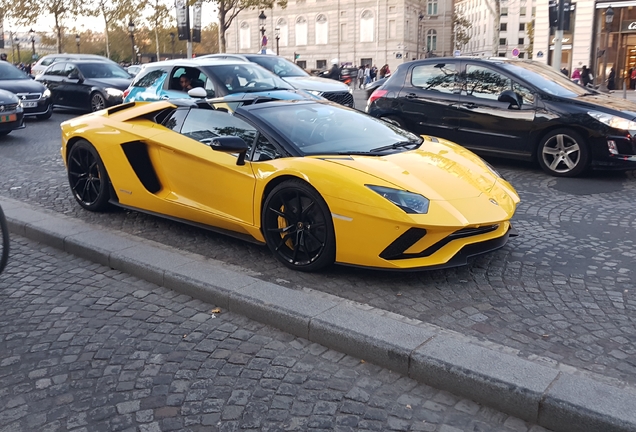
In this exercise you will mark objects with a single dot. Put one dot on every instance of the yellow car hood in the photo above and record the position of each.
(436, 170)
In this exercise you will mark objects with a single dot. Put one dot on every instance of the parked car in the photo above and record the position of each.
(35, 97)
(133, 70)
(47, 60)
(373, 86)
(11, 113)
(511, 108)
(219, 78)
(85, 85)
(310, 179)
(329, 89)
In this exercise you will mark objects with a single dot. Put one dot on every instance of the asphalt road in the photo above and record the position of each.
(561, 292)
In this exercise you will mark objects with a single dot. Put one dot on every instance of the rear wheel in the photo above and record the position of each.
(563, 153)
(97, 102)
(298, 228)
(87, 177)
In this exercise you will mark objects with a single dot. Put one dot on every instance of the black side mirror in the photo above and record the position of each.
(512, 98)
(75, 76)
(231, 144)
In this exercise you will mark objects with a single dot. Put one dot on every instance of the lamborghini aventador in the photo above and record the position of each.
(316, 182)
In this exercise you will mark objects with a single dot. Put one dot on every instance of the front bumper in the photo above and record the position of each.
(11, 121)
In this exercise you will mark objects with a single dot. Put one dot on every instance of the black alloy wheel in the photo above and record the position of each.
(563, 153)
(87, 177)
(97, 102)
(298, 228)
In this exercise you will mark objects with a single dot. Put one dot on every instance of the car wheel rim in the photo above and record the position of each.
(97, 103)
(561, 153)
(296, 228)
(84, 177)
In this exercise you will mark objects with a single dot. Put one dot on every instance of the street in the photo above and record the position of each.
(560, 293)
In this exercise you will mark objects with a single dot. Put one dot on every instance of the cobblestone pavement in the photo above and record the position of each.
(87, 348)
(564, 291)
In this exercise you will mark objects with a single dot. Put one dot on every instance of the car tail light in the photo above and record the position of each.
(126, 93)
(377, 95)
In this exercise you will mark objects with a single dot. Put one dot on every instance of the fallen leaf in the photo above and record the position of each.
(185, 336)
(408, 407)
(546, 335)
(216, 310)
(398, 294)
(362, 361)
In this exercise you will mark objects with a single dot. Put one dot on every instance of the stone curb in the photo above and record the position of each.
(538, 394)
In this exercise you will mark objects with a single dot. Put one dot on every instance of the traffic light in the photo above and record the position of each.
(296, 56)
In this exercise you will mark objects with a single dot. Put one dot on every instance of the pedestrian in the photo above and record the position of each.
(373, 73)
(360, 76)
(382, 72)
(367, 74)
(576, 75)
(3, 57)
(586, 76)
(632, 79)
(565, 72)
(334, 72)
(611, 80)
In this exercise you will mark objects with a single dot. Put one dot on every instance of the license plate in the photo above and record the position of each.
(8, 118)
(29, 104)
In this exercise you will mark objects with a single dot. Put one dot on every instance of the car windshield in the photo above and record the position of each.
(280, 66)
(102, 70)
(545, 78)
(322, 128)
(10, 72)
(247, 77)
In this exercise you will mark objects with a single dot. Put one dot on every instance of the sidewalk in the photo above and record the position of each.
(556, 398)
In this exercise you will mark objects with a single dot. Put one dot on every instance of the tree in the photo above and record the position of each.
(160, 17)
(461, 28)
(530, 31)
(229, 9)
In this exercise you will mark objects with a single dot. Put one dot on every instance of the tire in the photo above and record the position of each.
(47, 115)
(4, 241)
(563, 153)
(88, 178)
(97, 102)
(298, 228)
(394, 121)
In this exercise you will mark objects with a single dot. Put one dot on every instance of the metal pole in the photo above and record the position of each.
(277, 38)
(17, 44)
(603, 86)
(132, 41)
(558, 38)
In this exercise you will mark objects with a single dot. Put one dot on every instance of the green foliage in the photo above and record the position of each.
(461, 28)
(530, 32)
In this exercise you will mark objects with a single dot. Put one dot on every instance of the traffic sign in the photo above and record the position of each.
(540, 54)
(515, 52)
(457, 53)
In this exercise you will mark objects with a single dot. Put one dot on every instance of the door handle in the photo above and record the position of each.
(411, 96)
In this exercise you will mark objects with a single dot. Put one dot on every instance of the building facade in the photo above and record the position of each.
(498, 27)
(355, 32)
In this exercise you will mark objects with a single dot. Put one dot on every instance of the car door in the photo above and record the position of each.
(207, 180)
(52, 79)
(73, 90)
(430, 97)
(489, 125)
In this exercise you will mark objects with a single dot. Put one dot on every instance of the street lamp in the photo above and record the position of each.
(172, 42)
(77, 42)
(17, 44)
(261, 22)
(32, 33)
(420, 17)
(609, 17)
(131, 30)
(277, 33)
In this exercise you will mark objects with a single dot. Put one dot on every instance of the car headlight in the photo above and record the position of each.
(613, 121)
(46, 94)
(114, 92)
(408, 201)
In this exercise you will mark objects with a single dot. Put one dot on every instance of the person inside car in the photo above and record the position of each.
(186, 83)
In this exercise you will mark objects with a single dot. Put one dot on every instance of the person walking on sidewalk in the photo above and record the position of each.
(360, 76)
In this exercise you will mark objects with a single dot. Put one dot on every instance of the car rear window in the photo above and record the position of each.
(149, 79)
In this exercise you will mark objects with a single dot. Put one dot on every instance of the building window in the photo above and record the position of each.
(366, 26)
(391, 9)
(301, 31)
(431, 41)
(502, 41)
(244, 35)
(343, 13)
(522, 11)
(284, 32)
(521, 55)
(522, 27)
(431, 7)
(502, 54)
(503, 27)
(343, 32)
(392, 29)
(504, 11)
(302, 63)
(521, 41)
(321, 64)
(322, 29)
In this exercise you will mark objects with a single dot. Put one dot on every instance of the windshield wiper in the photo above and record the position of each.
(396, 145)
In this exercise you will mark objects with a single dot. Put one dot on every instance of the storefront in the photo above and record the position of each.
(616, 42)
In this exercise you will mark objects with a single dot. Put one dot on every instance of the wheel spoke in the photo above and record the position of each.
(306, 210)
(283, 240)
(573, 148)
(320, 242)
(281, 230)
(559, 139)
(289, 212)
(569, 162)
(278, 212)
(296, 246)
(550, 150)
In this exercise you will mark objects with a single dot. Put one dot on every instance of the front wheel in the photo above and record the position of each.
(87, 177)
(298, 228)
(97, 102)
(4, 241)
(563, 153)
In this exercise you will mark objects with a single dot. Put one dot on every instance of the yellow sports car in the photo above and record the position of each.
(317, 182)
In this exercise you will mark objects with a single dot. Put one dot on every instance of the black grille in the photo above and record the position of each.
(343, 98)
(29, 96)
(8, 107)
(396, 249)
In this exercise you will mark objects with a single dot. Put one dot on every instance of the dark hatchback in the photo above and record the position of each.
(85, 85)
(11, 113)
(35, 97)
(513, 109)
